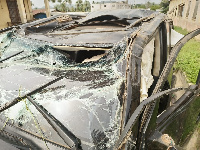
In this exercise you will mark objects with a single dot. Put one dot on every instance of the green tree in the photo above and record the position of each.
(142, 6)
(57, 7)
(86, 6)
(72, 9)
(69, 2)
(148, 4)
(62, 6)
(52, 1)
(165, 6)
(155, 7)
(79, 5)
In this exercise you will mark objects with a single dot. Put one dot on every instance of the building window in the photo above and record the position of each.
(188, 10)
(92, 6)
(195, 10)
(104, 5)
(181, 10)
(113, 5)
(175, 12)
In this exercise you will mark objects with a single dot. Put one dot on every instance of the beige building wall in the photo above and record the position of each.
(46, 2)
(28, 10)
(25, 12)
(123, 6)
(185, 13)
(95, 7)
(4, 14)
(22, 11)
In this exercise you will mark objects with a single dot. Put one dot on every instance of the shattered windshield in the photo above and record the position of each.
(80, 101)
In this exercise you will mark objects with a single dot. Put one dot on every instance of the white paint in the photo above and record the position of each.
(175, 37)
(146, 66)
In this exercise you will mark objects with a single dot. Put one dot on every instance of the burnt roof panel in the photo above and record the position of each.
(112, 37)
(120, 14)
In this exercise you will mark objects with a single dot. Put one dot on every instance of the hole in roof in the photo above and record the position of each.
(102, 18)
(83, 54)
(108, 20)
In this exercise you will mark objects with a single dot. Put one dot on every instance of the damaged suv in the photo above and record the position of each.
(88, 83)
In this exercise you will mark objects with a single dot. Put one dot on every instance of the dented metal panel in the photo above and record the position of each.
(86, 100)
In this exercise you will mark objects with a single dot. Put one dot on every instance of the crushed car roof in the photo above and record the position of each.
(84, 97)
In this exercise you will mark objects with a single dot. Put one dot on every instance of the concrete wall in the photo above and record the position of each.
(183, 14)
(95, 7)
(123, 6)
(109, 6)
(4, 14)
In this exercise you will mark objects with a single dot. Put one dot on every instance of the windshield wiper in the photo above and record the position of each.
(69, 138)
(1, 60)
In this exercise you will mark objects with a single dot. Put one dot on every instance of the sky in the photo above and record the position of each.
(40, 3)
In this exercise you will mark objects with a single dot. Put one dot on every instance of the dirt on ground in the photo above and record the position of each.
(179, 80)
(194, 142)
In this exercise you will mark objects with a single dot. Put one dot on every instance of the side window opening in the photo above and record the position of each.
(153, 66)
(146, 69)
(153, 61)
